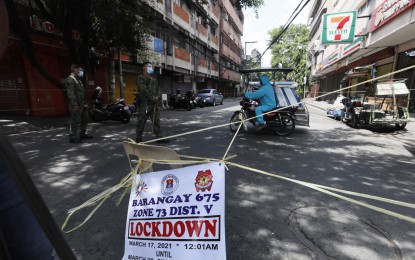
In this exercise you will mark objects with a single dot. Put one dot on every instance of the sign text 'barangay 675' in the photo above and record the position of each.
(177, 214)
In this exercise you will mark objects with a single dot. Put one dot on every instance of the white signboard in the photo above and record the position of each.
(391, 88)
(177, 214)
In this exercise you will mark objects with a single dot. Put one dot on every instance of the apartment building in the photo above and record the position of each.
(383, 42)
(231, 50)
(195, 44)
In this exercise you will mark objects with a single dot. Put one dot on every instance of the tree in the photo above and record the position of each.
(248, 3)
(290, 51)
(103, 26)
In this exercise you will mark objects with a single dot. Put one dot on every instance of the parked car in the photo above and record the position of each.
(337, 110)
(211, 96)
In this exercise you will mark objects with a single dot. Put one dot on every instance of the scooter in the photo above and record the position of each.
(117, 111)
(281, 122)
(181, 101)
(199, 101)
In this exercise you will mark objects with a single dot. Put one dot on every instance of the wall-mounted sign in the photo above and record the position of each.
(48, 27)
(158, 45)
(338, 27)
(387, 11)
(199, 79)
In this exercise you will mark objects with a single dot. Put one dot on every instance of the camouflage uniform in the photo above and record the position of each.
(76, 96)
(147, 90)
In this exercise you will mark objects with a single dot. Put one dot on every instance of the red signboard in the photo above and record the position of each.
(387, 11)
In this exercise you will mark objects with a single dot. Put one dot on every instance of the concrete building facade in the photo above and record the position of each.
(195, 44)
(384, 38)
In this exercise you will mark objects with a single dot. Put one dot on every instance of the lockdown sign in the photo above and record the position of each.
(177, 214)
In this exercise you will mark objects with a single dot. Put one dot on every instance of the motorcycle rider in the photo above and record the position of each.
(267, 100)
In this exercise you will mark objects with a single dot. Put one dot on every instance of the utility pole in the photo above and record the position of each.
(121, 77)
(245, 66)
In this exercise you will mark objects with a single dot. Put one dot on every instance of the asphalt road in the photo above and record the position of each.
(266, 217)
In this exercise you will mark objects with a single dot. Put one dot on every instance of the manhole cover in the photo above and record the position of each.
(333, 234)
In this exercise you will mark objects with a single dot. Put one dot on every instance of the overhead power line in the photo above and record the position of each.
(286, 26)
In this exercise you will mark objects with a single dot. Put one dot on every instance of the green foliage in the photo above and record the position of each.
(248, 3)
(290, 51)
(104, 26)
(255, 4)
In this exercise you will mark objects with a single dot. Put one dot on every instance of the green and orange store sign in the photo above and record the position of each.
(338, 27)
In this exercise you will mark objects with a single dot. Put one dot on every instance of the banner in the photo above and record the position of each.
(387, 11)
(177, 214)
(338, 27)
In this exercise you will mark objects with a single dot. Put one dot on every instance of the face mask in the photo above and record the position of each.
(150, 70)
(81, 73)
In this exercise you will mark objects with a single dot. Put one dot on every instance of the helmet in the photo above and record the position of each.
(98, 91)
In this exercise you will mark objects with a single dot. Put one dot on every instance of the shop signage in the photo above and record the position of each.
(48, 27)
(187, 79)
(199, 79)
(158, 45)
(333, 57)
(387, 11)
(338, 27)
(177, 214)
(352, 47)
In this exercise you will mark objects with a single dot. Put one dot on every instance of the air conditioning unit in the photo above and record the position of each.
(225, 17)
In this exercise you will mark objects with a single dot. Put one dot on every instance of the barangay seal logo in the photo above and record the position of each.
(204, 180)
(169, 184)
(141, 188)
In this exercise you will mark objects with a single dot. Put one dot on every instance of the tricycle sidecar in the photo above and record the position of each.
(387, 105)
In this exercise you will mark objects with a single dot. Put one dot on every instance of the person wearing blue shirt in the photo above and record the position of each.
(267, 100)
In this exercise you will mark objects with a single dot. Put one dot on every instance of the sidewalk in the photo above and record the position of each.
(20, 124)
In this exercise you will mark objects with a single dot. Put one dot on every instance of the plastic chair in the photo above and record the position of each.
(164, 101)
(144, 151)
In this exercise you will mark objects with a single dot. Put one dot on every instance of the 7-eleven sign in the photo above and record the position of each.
(338, 27)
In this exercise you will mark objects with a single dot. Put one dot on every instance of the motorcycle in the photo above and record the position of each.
(117, 111)
(199, 101)
(349, 115)
(281, 122)
(179, 101)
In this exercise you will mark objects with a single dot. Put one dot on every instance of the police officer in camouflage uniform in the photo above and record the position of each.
(77, 106)
(148, 95)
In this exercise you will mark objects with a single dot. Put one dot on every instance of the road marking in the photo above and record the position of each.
(234, 108)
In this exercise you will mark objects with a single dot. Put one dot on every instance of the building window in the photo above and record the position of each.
(178, 2)
(169, 45)
(364, 7)
(168, 5)
(212, 30)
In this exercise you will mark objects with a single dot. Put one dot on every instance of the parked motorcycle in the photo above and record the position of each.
(117, 111)
(386, 106)
(181, 101)
(280, 122)
(199, 101)
(349, 115)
